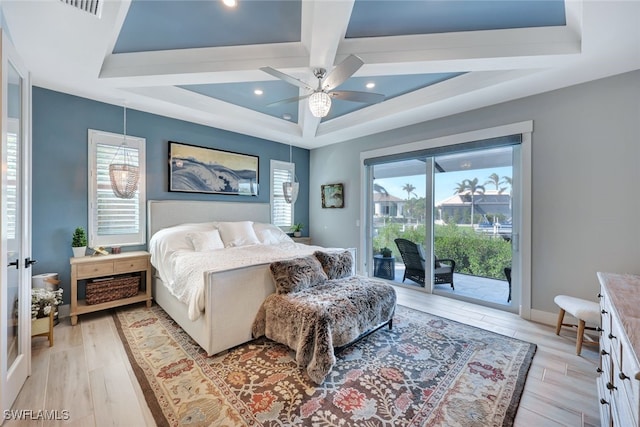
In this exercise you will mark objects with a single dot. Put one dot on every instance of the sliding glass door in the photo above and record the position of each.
(442, 220)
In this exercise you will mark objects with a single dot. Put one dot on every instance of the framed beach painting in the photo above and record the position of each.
(194, 169)
(332, 196)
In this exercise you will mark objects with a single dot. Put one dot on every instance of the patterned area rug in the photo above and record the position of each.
(425, 371)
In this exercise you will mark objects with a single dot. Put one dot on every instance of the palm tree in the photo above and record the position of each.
(474, 188)
(461, 187)
(507, 180)
(494, 179)
(409, 189)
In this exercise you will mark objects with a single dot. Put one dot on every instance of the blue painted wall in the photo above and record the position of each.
(60, 171)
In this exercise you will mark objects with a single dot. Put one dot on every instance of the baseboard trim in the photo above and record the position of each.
(64, 311)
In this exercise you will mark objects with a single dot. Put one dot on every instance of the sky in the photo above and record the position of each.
(445, 183)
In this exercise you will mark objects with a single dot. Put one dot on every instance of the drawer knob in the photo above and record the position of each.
(611, 386)
(604, 352)
(603, 402)
(622, 376)
(603, 311)
(611, 336)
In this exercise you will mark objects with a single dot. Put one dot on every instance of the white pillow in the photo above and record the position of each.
(239, 233)
(205, 241)
(171, 239)
(270, 234)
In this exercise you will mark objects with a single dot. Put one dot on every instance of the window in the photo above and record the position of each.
(281, 211)
(114, 221)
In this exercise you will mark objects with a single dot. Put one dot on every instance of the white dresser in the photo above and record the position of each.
(619, 370)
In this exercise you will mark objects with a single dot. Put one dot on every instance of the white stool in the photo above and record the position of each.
(583, 310)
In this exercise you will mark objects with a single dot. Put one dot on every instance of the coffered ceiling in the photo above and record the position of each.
(200, 60)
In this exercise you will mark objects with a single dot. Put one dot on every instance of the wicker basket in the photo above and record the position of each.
(99, 291)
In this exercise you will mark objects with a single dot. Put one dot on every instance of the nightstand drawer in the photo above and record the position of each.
(129, 265)
(95, 269)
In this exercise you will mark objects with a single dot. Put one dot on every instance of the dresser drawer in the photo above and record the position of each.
(95, 269)
(626, 369)
(604, 405)
(128, 265)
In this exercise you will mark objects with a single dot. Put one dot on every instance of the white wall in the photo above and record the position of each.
(585, 181)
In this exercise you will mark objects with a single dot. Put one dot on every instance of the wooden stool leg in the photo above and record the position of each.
(51, 315)
(560, 320)
(580, 337)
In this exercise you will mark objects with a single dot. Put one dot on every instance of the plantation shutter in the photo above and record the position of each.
(115, 215)
(281, 211)
(115, 221)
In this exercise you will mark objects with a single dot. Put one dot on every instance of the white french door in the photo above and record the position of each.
(15, 226)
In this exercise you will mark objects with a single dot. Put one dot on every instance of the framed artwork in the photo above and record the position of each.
(194, 169)
(332, 196)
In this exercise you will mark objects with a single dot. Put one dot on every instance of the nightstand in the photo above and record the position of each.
(101, 266)
(303, 240)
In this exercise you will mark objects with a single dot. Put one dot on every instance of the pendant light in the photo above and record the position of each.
(291, 188)
(123, 174)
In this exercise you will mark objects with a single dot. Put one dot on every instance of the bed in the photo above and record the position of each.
(231, 297)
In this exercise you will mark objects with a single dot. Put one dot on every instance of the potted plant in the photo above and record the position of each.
(297, 229)
(386, 252)
(79, 242)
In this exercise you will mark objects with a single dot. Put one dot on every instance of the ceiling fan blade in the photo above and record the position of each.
(286, 77)
(366, 97)
(287, 101)
(342, 72)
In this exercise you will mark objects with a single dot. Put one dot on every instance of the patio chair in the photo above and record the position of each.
(507, 272)
(414, 264)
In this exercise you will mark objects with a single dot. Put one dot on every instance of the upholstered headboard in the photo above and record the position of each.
(167, 213)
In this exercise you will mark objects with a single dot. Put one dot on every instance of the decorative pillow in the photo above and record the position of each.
(423, 257)
(204, 241)
(171, 239)
(270, 234)
(297, 274)
(335, 265)
(238, 233)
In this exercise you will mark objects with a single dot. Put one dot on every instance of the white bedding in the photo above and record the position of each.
(183, 269)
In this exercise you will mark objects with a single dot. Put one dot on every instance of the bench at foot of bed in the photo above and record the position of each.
(324, 318)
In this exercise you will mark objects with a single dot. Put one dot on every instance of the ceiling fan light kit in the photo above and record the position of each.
(320, 98)
(319, 104)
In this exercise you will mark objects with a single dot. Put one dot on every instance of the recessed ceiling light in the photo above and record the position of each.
(371, 85)
(286, 116)
(230, 3)
(258, 92)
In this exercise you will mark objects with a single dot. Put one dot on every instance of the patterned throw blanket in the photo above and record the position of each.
(315, 320)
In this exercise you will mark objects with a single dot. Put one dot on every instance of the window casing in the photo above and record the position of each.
(282, 213)
(114, 221)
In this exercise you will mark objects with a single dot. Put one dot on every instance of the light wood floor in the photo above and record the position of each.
(87, 371)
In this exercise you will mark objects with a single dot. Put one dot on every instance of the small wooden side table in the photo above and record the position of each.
(91, 267)
(384, 267)
(303, 240)
(43, 327)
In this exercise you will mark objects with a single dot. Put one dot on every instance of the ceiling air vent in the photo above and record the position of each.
(90, 6)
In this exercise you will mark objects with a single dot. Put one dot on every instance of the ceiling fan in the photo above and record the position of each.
(320, 97)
